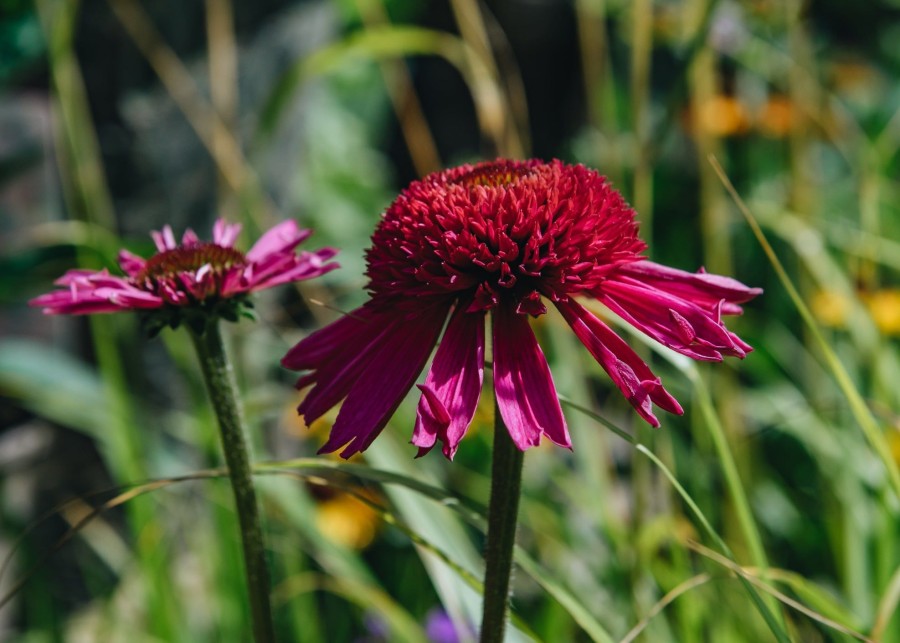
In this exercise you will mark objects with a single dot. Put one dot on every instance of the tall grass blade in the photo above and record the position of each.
(858, 406)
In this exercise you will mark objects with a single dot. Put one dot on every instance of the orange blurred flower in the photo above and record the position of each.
(777, 117)
(723, 115)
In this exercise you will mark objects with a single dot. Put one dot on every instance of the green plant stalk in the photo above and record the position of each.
(776, 628)
(641, 53)
(503, 509)
(88, 200)
(729, 470)
(858, 406)
(220, 382)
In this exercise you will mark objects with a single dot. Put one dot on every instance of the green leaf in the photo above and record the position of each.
(54, 385)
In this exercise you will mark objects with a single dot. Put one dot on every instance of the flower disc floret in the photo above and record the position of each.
(511, 231)
(169, 265)
(504, 237)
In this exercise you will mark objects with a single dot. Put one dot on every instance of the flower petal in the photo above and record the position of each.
(337, 355)
(701, 288)
(165, 239)
(313, 350)
(89, 292)
(628, 371)
(189, 238)
(453, 385)
(523, 385)
(681, 325)
(395, 363)
(280, 269)
(283, 238)
(225, 234)
(335, 377)
(130, 263)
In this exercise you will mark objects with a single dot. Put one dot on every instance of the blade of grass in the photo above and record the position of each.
(401, 624)
(743, 573)
(385, 43)
(695, 509)
(564, 597)
(473, 515)
(209, 126)
(88, 198)
(474, 32)
(887, 607)
(758, 602)
(858, 407)
(665, 601)
(439, 525)
(223, 90)
(748, 526)
(822, 601)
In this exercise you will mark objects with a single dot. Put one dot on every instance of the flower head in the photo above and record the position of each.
(191, 281)
(503, 237)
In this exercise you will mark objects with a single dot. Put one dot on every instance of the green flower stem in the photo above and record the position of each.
(506, 485)
(222, 389)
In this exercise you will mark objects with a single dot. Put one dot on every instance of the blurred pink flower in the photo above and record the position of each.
(194, 274)
(503, 236)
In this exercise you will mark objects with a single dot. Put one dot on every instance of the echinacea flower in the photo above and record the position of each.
(503, 237)
(197, 283)
(190, 281)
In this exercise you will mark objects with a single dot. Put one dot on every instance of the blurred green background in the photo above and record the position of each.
(119, 116)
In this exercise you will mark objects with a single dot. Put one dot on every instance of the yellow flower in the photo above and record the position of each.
(347, 520)
(830, 308)
(884, 306)
(833, 309)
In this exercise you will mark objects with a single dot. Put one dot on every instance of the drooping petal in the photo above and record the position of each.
(337, 372)
(336, 354)
(89, 292)
(283, 238)
(399, 358)
(628, 371)
(453, 385)
(702, 288)
(523, 385)
(679, 324)
(313, 350)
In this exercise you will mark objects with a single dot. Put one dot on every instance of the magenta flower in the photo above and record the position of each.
(503, 236)
(192, 280)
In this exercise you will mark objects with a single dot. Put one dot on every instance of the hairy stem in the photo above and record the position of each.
(222, 389)
(506, 484)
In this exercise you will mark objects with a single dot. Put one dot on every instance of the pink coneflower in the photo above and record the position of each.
(197, 283)
(503, 237)
(190, 280)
